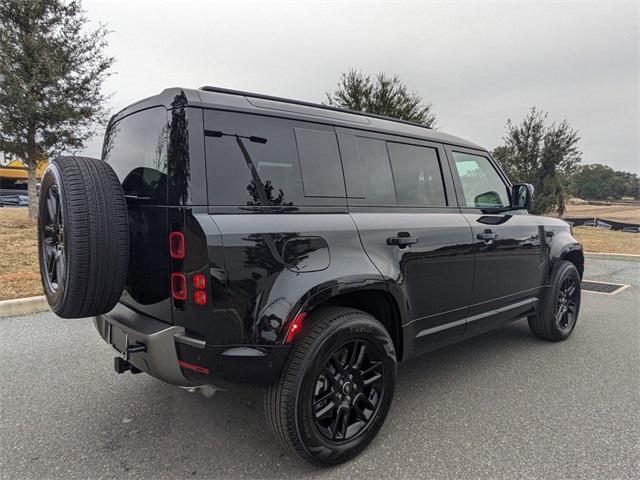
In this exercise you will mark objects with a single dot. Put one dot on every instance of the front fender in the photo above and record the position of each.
(564, 246)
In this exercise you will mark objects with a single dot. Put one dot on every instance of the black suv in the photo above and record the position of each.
(233, 238)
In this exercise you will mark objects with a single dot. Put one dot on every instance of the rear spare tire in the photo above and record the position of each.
(83, 237)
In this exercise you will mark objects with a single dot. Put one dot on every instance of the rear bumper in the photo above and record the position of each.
(172, 356)
(160, 359)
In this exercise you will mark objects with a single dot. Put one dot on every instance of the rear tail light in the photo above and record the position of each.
(176, 245)
(179, 286)
(200, 297)
(199, 281)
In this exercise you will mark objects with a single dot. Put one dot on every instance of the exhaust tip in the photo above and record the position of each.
(208, 391)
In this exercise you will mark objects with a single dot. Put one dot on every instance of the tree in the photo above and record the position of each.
(631, 183)
(543, 155)
(601, 182)
(383, 95)
(51, 72)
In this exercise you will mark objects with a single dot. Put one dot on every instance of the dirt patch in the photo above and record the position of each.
(607, 241)
(19, 270)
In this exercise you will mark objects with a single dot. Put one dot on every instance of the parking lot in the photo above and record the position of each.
(504, 405)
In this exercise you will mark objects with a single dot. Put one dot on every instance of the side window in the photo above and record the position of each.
(251, 160)
(135, 147)
(320, 163)
(481, 185)
(377, 180)
(417, 175)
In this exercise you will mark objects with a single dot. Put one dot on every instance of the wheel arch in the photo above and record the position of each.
(564, 246)
(374, 299)
(575, 256)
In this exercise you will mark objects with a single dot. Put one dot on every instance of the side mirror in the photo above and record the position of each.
(522, 196)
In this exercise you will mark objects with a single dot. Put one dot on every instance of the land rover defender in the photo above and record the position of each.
(226, 238)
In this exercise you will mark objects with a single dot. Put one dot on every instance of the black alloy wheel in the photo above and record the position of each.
(52, 238)
(557, 312)
(566, 304)
(348, 391)
(336, 389)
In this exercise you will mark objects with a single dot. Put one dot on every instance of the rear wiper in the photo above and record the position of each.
(217, 133)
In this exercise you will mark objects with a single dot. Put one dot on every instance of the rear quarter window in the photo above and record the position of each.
(255, 161)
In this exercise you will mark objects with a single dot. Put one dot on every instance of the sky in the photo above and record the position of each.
(478, 63)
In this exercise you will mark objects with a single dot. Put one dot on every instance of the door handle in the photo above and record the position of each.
(487, 236)
(402, 240)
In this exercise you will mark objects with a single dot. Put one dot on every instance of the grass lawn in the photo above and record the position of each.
(19, 271)
(607, 241)
(20, 277)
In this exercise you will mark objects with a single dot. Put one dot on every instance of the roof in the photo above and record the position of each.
(235, 100)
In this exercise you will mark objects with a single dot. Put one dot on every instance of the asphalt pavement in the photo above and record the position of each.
(503, 405)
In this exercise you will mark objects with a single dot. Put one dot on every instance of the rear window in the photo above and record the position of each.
(377, 179)
(265, 161)
(417, 175)
(387, 173)
(135, 147)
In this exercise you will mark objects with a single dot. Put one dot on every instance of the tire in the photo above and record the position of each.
(330, 337)
(83, 237)
(551, 323)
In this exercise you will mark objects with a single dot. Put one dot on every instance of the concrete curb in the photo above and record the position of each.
(613, 256)
(23, 306)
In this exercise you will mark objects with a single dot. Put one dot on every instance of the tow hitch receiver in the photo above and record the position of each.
(121, 365)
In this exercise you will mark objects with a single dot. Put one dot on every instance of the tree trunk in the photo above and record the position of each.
(32, 164)
(32, 187)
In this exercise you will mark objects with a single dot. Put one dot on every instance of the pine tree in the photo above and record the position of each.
(383, 95)
(51, 73)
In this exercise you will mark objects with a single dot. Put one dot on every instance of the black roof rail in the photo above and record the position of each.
(228, 91)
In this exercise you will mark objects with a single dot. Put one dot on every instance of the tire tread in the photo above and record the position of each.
(541, 324)
(280, 398)
(97, 237)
